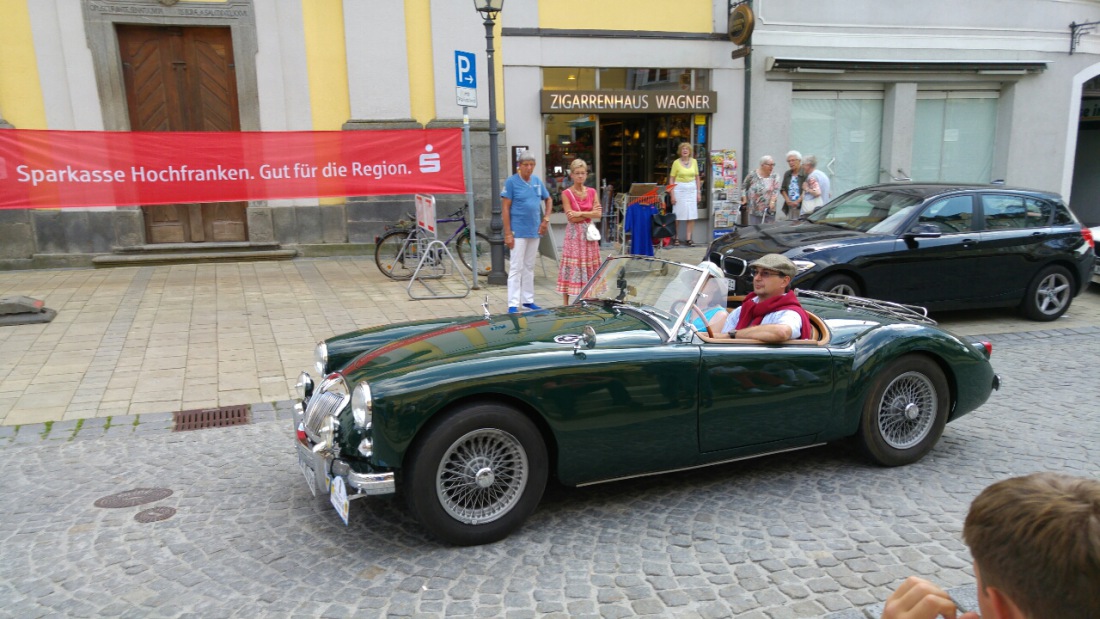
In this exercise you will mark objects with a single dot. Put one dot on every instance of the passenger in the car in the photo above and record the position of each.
(771, 312)
(712, 300)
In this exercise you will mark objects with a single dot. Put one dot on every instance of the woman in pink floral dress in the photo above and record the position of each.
(580, 258)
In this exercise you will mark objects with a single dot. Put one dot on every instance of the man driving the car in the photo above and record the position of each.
(771, 312)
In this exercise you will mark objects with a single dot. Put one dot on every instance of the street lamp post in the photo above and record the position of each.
(489, 10)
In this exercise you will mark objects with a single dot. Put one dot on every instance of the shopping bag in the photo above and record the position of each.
(810, 204)
(664, 225)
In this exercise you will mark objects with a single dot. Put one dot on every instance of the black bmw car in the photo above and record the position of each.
(943, 246)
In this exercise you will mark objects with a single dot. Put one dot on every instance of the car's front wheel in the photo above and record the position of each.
(1049, 294)
(905, 412)
(839, 284)
(476, 474)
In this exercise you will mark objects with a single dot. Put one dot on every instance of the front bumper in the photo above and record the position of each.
(320, 467)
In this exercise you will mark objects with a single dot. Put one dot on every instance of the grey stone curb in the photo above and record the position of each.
(123, 425)
(158, 423)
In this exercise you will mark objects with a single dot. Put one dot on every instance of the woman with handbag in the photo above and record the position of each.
(816, 190)
(685, 197)
(580, 252)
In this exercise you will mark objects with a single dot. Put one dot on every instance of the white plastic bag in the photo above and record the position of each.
(811, 203)
(592, 233)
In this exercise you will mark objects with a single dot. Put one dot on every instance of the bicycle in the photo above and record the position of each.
(397, 252)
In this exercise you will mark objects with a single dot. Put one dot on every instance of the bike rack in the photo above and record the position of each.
(432, 252)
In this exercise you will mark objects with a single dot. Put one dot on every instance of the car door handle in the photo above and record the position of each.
(968, 242)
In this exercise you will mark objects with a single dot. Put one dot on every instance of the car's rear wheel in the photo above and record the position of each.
(1049, 294)
(905, 412)
(476, 474)
(838, 284)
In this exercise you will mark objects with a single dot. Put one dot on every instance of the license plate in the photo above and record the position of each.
(339, 498)
(307, 472)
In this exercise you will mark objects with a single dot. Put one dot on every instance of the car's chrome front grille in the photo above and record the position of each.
(734, 266)
(320, 407)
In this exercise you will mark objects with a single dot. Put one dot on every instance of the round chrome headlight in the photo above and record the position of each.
(320, 357)
(304, 386)
(361, 405)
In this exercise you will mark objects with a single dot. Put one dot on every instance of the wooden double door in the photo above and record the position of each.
(183, 79)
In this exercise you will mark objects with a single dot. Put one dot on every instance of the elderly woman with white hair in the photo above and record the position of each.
(791, 186)
(759, 191)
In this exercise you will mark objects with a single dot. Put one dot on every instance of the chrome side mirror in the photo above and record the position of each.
(588, 338)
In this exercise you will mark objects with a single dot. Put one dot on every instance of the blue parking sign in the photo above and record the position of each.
(465, 69)
(465, 79)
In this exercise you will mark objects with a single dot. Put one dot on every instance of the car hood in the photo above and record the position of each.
(784, 236)
(399, 348)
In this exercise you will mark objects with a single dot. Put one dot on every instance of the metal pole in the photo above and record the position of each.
(745, 121)
(496, 224)
(470, 214)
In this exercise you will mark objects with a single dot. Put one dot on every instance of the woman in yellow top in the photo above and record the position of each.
(685, 195)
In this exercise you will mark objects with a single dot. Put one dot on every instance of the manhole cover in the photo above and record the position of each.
(131, 498)
(155, 514)
(211, 417)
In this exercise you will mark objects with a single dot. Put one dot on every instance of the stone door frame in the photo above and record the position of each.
(100, 17)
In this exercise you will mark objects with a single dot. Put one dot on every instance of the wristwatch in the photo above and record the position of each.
(733, 334)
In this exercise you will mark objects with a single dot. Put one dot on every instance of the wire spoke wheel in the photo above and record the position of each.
(482, 476)
(907, 410)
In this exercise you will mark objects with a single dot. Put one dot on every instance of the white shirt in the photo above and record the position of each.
(790, 318)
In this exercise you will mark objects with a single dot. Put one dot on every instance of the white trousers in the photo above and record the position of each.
(521, 272)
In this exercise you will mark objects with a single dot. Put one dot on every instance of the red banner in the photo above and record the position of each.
(47, 169)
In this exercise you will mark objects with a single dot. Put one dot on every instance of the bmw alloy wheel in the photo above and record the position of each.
(1052, 296)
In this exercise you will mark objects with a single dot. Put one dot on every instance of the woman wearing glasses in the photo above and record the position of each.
(759, 191)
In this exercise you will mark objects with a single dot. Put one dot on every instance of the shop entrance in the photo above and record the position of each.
(640, 149)
(631, 148)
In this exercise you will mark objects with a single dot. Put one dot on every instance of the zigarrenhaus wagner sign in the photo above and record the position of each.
(629, 101)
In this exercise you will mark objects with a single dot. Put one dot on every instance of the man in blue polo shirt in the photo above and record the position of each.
(526, 215)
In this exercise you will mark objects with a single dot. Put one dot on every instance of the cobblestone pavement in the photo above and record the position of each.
(808, 534)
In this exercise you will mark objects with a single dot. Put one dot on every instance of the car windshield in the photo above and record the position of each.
(665, 291)
(867, 210)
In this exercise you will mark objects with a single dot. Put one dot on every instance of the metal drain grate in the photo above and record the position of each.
(155, 514)
(212, 418)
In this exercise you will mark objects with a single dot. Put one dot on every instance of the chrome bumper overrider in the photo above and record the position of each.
(320, 467)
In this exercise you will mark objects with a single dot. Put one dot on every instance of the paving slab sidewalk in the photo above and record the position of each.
(143, 342)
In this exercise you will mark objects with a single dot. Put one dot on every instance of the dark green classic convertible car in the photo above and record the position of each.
(469, 417)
